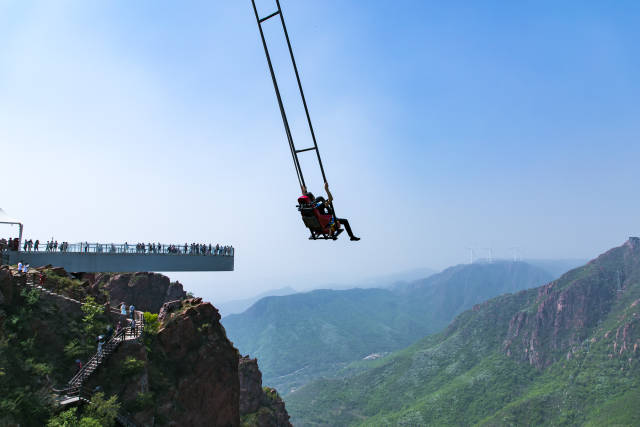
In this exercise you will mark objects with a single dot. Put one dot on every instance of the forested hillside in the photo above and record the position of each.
(566, 353)
(304, 336)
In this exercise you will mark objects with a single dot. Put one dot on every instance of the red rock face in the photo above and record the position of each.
(207, 388)
(568, 309)
(146, 291)
(251, 394)
(266, 406)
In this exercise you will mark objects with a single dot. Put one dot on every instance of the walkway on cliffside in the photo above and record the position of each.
(75, 392)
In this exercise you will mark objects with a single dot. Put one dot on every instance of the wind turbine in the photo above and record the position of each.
(516, 253)
(471, 255)
(490, 254)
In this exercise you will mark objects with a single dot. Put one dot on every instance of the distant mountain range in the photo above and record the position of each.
(566, 353)
(386, 280)
(239, 305)
(303, 336)
(555, 267)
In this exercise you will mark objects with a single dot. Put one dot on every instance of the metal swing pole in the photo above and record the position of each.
(287, 129)
(304, 100)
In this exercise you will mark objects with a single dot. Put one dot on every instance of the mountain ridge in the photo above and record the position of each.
(237, 306)
(567, 352)
(302, 336)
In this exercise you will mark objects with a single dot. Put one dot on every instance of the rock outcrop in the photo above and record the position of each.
(146, 291)
(567, 310)
(205, 387)
(258, 406)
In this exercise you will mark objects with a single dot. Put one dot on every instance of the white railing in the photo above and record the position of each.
(133, 248)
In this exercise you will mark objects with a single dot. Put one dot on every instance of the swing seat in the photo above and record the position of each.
(322, 226)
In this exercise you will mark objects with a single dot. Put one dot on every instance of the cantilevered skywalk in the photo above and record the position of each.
(97, 257)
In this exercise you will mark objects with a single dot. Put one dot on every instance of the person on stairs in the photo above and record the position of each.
(100, 343)
(109, 332)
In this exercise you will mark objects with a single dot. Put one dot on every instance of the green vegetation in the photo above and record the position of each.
(131, 366)
(304, 336)
(70, 418)
(151, 323)
(143, 401)
(586, 327)
(621, 409)
(271, 393)
(151, 328)
(253, 419)
(64, 285)
(23, 366)
(94, 322)
(40, 339)
(101, 413)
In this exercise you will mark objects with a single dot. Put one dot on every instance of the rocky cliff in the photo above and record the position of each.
(205, 386)
(186, 372)
(146, 291)
(567, 311)
(259, 406)
(182, 372)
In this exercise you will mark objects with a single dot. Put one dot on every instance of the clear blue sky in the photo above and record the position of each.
(443, 125)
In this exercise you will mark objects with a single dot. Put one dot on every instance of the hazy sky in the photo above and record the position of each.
(442, 125)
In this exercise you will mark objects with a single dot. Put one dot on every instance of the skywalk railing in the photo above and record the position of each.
(135, 248)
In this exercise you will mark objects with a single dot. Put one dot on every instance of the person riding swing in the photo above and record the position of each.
(319, 217)
(317, 214)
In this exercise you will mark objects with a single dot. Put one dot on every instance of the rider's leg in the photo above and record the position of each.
(348, 228)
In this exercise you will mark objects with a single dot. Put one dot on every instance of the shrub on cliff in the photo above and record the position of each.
(23, 372)
(61, 284)
(94, 323)
(40, 337)
(101, 413)
(131, 366)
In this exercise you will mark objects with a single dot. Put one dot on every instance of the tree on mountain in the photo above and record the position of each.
(100, 412)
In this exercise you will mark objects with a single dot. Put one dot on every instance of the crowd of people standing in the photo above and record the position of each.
(11, 244)
(31, 245)
(191, 249)
(144, 248)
